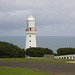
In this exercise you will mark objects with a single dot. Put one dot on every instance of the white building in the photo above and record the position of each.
(72, 56)
(30, 33)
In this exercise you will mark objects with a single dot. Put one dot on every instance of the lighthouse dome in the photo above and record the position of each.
(30, 18)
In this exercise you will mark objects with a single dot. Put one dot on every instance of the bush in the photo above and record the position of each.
(38, 52)
(66, 51)
(8, 50)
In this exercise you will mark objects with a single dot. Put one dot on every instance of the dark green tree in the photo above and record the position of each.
(8, 50)
(38, 52)
(66, 51)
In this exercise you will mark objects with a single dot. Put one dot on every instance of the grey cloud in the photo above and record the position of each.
(14, 13)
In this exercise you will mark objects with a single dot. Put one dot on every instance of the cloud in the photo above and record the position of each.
(51, 13)
(57, 30)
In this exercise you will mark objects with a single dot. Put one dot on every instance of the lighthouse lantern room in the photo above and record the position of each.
(30, 33)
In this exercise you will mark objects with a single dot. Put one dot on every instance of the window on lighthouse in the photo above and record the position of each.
(30, 29)
(29, 35)
(29, 40)
(29, 46)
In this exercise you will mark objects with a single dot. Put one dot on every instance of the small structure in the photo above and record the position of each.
(49, 56)
(30, 33)
(65, 57)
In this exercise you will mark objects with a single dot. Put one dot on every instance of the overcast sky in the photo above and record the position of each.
(53, 17)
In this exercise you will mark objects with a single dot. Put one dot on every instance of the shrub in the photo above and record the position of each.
(66, 51)
(8, 50)
(38, 52)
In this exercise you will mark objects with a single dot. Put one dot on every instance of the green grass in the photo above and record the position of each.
(20, 71)
(36, 59)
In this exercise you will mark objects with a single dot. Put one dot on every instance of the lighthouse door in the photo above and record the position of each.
(30, 29)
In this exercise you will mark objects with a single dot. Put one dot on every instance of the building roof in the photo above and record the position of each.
(30, 18)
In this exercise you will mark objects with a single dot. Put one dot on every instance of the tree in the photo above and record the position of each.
(66, 51)
(8, 50)
(38, 52)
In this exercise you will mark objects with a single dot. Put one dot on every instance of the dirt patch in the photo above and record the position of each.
(58, 68)
(71, 62)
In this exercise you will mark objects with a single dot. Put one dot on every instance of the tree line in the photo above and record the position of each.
(38, 52)
(8, 50)
(66, 51)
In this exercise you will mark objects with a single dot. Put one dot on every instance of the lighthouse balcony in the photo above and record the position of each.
(31, 30)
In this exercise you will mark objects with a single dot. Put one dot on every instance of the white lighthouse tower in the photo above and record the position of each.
(30, 33)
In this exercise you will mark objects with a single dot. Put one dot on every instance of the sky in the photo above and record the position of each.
(52, 17)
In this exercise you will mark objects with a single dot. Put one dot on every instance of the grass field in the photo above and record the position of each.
(20, 71)
(36, 59)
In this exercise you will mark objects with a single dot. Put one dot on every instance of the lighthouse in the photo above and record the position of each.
(30, 33)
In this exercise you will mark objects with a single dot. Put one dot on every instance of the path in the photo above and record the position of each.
(58, 68)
